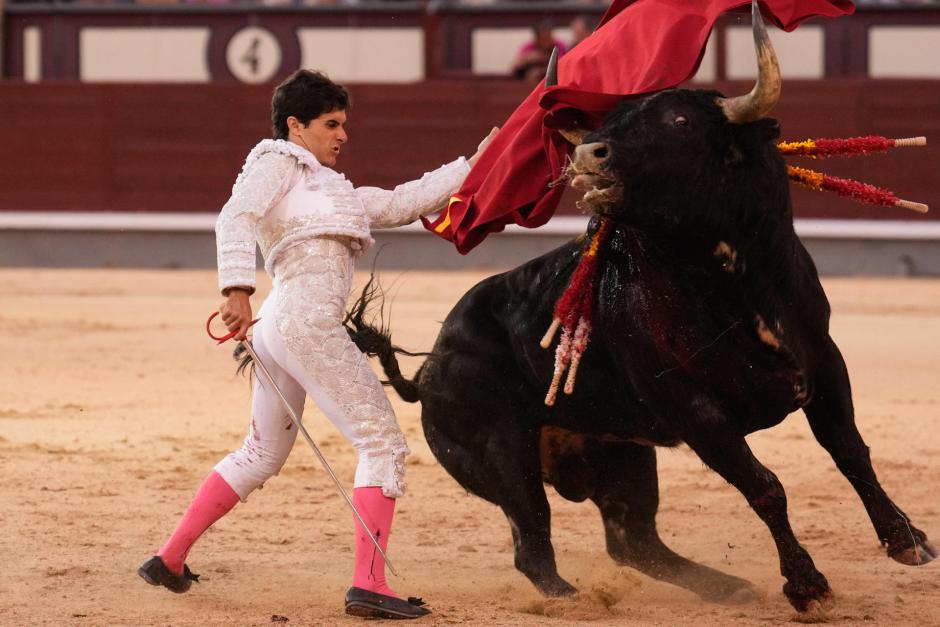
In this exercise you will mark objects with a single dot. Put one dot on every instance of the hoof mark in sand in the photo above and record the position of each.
(815, 613)
(597, 603)
(69, 570)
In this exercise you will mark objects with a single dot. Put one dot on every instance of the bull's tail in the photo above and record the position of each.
(375, 339)
(243, 357)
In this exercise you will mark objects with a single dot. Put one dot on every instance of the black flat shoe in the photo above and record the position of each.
(367, 604)
(155, 572)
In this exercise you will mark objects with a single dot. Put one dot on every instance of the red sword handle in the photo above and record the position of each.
(226, 337)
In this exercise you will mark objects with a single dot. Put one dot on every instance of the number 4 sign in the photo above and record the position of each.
(253, 55)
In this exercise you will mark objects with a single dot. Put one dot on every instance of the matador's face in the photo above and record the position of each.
(323, 136)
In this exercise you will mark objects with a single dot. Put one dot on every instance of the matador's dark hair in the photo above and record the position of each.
(306, 95)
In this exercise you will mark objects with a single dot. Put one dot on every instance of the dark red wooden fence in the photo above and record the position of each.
(177, 148)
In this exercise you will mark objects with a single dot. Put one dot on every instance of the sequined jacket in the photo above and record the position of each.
(283, 195)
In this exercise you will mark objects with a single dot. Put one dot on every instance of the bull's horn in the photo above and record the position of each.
(551, 74)
(573, 134)
(766, 92)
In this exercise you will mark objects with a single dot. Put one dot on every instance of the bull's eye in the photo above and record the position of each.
(680, 120)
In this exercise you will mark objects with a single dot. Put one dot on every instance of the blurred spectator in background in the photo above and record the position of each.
(532, 59)
(581, 26)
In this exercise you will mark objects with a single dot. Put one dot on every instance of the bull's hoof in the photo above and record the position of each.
(557, 587)
(810, 593)
(918, 555)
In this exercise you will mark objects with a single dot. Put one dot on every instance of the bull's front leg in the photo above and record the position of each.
(832, 419)
(627, 495)
(729, 455)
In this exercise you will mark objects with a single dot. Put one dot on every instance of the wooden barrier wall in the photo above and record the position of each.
(177, 148)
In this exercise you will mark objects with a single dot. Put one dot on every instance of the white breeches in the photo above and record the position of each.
(302, 342)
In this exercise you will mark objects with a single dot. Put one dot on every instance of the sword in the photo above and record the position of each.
(303, 430)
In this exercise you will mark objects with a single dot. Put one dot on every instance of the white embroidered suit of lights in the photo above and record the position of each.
(311, 223)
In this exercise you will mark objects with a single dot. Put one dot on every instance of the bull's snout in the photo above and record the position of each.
(589, 157)
(587, 166)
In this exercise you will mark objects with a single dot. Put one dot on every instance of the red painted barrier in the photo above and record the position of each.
(82, 147)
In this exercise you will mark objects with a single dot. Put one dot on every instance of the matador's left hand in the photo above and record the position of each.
(482, 147)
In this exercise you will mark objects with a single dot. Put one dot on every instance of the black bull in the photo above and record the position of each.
(710, 323)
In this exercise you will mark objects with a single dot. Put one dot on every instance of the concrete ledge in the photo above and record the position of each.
(30, 239)
(103, 221)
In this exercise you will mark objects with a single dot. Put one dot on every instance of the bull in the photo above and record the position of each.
(710, 323)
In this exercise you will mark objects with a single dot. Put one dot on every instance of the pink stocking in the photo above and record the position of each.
(377, 510)
(213, 500)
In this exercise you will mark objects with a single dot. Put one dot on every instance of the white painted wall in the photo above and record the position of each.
(904, 52)
(801, 54)
(375, 55)
(32, 54)
(707, 69)
(129, 54)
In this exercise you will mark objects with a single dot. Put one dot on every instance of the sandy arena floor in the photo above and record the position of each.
(114, 406)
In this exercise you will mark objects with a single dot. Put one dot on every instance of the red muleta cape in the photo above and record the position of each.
(640, 47)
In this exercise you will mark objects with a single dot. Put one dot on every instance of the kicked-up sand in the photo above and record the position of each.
(114, 405)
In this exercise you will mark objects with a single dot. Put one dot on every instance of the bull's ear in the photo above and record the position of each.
(769, 128)
(570, 124)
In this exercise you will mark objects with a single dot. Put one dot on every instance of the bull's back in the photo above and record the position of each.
(506, 304)
(487, 351)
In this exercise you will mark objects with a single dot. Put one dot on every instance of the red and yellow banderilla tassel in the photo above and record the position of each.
(862, 192)
(856, 190)
(826, 147)
(573, 314)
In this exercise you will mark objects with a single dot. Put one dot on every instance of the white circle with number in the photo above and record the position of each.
(253, 55)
